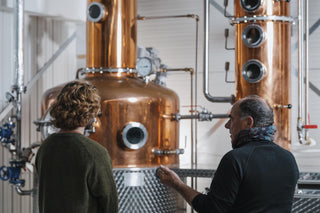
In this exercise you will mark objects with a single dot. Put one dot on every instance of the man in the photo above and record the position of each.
(75, 173)
(256, 176)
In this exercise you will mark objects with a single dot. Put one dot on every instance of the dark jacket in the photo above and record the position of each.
(257, 176)
(75, 176)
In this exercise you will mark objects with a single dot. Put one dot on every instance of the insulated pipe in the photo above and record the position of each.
(230, 99)
(19, 68)
(19, 63)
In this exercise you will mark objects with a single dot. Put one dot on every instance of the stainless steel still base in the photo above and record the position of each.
(141, 192)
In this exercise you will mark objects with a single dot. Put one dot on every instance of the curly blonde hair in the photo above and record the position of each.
(77, 104)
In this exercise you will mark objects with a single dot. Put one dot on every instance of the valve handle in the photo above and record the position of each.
(4, 173)
(2, 133)
(312, 126)
(5, 132)
(279, 106)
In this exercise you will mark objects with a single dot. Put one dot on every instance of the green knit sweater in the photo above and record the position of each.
(75, 176)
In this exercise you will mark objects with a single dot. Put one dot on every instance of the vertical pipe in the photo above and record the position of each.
(194, 129)
(19, 69)
(193, 148)
(206, 61)
(196, 93)
(300, 65)
(35, 194)
(205, 46)
(19, 63)
(306, 64)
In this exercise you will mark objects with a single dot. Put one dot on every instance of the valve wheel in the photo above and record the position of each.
(4, 173)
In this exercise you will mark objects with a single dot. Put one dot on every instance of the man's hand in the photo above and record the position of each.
(168, 177)
(171, 179)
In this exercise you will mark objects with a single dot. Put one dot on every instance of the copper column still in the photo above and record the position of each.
(262, 59)
(135, 123)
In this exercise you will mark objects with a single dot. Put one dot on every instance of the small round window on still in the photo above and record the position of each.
(96, 12)
(250, 5)
(253, 71)
(252, 36)
(134, 135)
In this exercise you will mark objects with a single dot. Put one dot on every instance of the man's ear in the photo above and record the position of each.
(249, 122)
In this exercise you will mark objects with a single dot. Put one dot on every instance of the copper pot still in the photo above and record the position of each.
(262, 57)
(135, 123)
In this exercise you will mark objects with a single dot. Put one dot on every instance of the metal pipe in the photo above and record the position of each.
(309, 182)
(19, 63)
(166, 17)
(191, 121)
(168, 152)
(178, 69)
(23, 192)
(19, 70)
(194, 141)
(206, 61)
(311, 196)
(306, 61)
(196, 97)
(202, 116)
(35, 193)
(194, 116)
(300, 65)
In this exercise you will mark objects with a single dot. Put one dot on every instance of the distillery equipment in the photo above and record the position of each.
(139, 121)
(135, 118)
(135, 124)
(262, 57)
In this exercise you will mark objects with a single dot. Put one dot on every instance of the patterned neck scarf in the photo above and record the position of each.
(255, 134)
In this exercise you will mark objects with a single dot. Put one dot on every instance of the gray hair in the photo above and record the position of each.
(258, 109)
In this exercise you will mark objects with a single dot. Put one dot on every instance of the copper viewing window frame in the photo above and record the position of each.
(247, 35)
(245, 5)
(141, 141)
(99, 17)
(258, 72)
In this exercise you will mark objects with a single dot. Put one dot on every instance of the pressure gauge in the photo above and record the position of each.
(144, 66)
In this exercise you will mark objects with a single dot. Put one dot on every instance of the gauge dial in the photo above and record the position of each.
(144, 66)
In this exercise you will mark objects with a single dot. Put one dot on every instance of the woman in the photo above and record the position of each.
(75, 172)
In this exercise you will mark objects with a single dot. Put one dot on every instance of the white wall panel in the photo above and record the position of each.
(6, 82)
